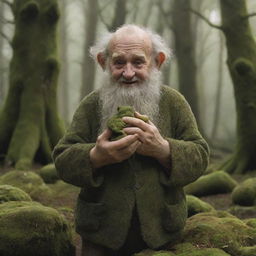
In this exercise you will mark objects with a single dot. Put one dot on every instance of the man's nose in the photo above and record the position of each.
(128, 72)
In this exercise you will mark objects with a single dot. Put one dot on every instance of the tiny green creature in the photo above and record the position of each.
(116, 124)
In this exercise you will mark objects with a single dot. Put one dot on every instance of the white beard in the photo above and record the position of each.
(143, 97)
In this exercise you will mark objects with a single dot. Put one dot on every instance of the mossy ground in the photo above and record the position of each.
(63, 198)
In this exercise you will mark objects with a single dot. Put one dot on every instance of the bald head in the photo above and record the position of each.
(131, 36)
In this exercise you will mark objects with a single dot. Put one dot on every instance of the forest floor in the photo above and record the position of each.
(64, 201)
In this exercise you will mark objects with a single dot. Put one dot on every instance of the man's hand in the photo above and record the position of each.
(108, 152)
(152, 143)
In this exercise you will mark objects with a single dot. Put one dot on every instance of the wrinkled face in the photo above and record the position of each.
(130, 59)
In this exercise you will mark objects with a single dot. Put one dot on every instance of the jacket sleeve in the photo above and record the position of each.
(71, 154)
(189, 151)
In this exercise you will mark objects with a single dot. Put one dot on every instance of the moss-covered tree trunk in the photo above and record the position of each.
(29, 124)
(241, 62)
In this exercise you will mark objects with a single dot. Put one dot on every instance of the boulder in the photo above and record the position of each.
(196, 205)
(28, 181)
(49, 174)
(221, 230)
(243, 212)
(214, 183)
(184, 249)
(31, 229)
(10, 193)
(245, 193)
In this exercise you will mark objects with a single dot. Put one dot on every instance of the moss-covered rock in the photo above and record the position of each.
(248, 251)
(149, 252)
(245, 193)
(29, 229)
(48, 173)
(28, 181)
(196, 205)
(214, 183)
(185, 249)
(219, 230)
(250, 222)
(243, 212)
(10, 193)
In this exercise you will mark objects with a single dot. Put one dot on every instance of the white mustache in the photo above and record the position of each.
(124, 80)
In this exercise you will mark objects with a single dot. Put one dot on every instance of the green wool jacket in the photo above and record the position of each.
(106, 201)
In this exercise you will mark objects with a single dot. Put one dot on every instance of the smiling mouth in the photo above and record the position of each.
(129, 82)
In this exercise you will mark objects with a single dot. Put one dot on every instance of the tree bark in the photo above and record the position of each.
(88, 65)
(29, 124)
(241, 48)
(185, 52)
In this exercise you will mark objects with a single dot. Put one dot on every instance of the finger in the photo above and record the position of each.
(135, 130)
(131, 148)
(136, 122)
(125, 142)
(106, 134)
(145, 118)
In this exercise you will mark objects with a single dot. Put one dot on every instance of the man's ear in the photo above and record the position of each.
(101, 60)
(160, 58)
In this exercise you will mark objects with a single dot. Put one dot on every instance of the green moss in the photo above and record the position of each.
(251, 222)
(10, 193)
(29, 229)
(243, 212)
(48, 173)
(245, 193)
(213, 183)
(219, 230)
(30, 182)
(149, 252)
(116, 124)
(205, 252)
(195, 205)
(248, 251)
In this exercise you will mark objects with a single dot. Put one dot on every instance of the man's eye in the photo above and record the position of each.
(138, 62)
(119, 62)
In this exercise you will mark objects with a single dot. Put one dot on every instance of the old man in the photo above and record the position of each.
(132, 194)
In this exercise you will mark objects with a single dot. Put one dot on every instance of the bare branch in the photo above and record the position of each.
(205, 19)
(249, 15)
(6, 37)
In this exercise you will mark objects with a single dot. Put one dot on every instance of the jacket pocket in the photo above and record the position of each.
(89, 215)
(174, 216)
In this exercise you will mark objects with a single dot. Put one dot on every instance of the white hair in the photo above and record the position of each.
(158, 43)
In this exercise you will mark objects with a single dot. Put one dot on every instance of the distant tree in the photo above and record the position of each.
(185, 52)
(63, 95)
(120, 15)
(29, 124)
(1, 53)
(88, 65)
(217, 111)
